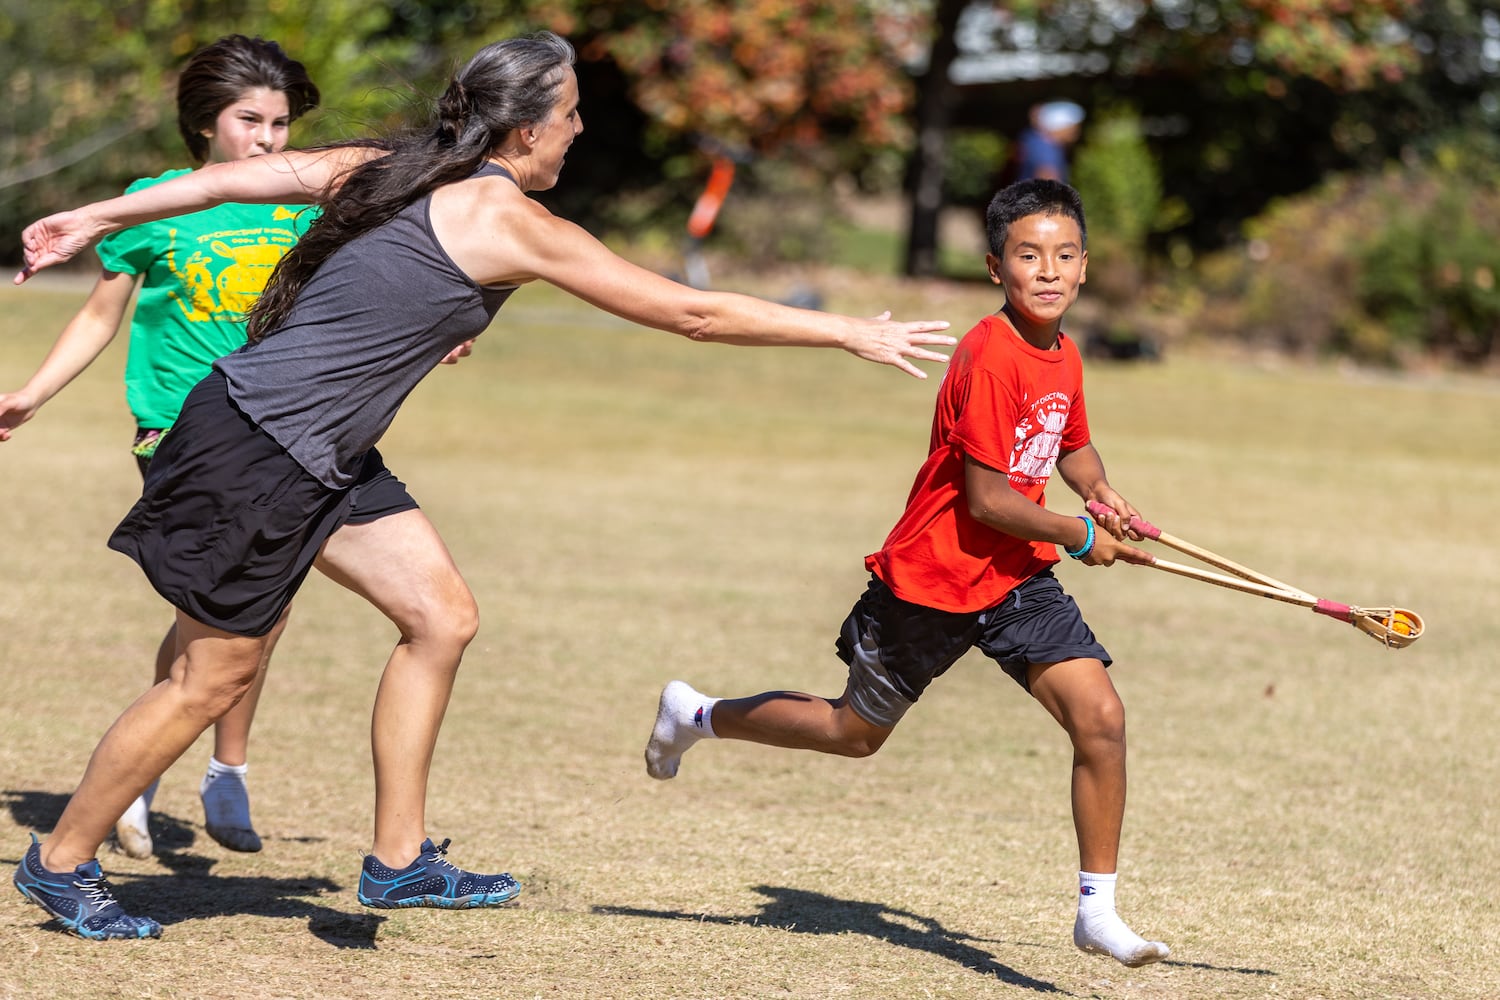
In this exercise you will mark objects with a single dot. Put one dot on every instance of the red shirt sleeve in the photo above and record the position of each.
(986, 429)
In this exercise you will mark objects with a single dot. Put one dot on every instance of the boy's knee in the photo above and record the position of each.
(1101, 720)
(855, 748)
(857, 738)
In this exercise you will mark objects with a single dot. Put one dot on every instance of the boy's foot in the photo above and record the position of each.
(1106, 934)
(432, 880)
(679, 724)
(81, 900)
(226, 810)
(131, 830)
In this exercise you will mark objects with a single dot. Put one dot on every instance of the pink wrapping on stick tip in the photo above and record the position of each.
(1333, 609)
(1139, 523)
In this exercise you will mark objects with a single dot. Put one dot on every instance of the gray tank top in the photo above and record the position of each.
(380, 314)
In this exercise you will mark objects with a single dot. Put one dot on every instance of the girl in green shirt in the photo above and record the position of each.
(194, 278)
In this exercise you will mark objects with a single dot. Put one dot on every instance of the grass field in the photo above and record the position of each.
(1311, 815)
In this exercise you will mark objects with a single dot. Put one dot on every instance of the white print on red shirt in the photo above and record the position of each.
(1039, 440)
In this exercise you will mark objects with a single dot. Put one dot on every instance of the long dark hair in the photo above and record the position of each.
(219, 74)
(506, 85)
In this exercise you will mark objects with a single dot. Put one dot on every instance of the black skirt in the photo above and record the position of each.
(228, 524)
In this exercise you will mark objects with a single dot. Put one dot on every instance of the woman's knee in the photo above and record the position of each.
(447, 615)
(211, 689)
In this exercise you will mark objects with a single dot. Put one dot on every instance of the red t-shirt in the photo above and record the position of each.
(1011, 407)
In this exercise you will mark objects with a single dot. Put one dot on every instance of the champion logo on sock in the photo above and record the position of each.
(1086, 890)
(698, 717)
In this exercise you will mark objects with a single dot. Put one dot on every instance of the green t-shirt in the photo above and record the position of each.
(200, 273)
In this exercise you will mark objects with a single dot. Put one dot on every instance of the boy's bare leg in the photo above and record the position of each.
(776, 718)
(1080, 696)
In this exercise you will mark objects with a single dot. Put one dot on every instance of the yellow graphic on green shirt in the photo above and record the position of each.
(226, 271)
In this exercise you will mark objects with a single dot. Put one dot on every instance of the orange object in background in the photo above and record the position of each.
(706, 209)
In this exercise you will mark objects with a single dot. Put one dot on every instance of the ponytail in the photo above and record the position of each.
(505, 86)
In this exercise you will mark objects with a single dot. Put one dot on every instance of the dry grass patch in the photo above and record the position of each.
(1308, 811)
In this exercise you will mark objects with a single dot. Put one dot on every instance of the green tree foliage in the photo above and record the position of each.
(1383, 266)
(800, 91)
(758, 74)
(1116, 174)
(820, 85)
(1249, 100)
(1349, 45)
(1429, 271)
(971, 156)
(1121, 186)
(1240, 101)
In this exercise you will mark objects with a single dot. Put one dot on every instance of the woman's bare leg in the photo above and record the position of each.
(211, 672)
(400, 564)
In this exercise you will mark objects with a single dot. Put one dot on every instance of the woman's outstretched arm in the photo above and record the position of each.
(294, 177)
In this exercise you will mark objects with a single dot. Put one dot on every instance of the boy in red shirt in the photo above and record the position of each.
(970, 561)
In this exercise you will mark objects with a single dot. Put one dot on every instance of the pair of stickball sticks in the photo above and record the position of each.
(1396, 628)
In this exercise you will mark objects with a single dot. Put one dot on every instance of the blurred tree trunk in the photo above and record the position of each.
(934, 109)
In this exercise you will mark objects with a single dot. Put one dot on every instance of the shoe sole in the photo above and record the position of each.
(1136, 962)
(235, 838)
(656, 767)
(71, 925)
(473, 902)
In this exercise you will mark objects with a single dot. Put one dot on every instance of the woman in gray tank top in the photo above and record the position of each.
(270, 467)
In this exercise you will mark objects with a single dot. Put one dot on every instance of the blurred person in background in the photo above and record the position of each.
(1042, 149)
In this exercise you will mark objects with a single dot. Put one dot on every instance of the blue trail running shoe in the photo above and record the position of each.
(432, 880)
(80, 899)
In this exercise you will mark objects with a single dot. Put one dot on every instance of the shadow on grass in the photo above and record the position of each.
(39, 811)
(192, 892)
(802, 912)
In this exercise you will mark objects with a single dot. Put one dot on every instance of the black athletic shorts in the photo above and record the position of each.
(895, 648)
(228, 524)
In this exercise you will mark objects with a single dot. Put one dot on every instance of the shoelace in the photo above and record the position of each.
(97, 891)
(439, 855)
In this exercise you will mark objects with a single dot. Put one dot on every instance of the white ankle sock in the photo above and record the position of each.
(683, 717)
(703, 718)
(226, 801)
(132, 830)
(217, 767)
(1098, 930)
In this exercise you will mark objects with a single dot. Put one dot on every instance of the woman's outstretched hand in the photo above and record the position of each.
(53, 240)
(887, 342)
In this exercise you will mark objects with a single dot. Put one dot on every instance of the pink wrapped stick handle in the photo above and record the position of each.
(1139, 523)
(1333, 609)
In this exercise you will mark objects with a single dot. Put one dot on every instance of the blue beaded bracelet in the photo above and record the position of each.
(1088, 543)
